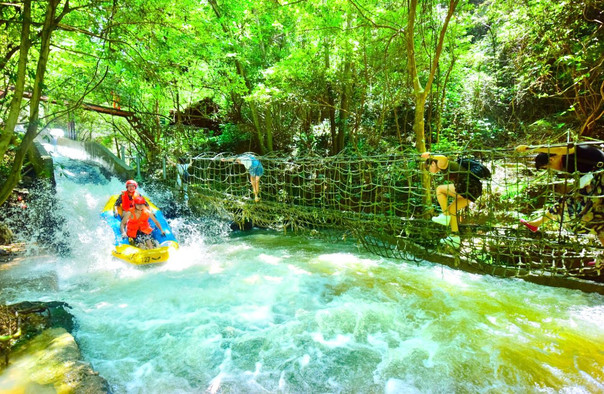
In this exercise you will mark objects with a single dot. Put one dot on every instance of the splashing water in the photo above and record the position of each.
(268, 312)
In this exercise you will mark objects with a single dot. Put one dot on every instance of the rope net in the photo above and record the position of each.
(386, 203)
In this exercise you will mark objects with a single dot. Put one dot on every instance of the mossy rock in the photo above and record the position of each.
(6, 235)
(50, 362)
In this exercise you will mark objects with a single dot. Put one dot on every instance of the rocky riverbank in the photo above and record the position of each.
(39, 354)
(13, 207)
(11, 251)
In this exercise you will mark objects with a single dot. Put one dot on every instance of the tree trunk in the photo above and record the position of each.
(419, 122)
(418, 91)
(331, 102)
(178, 112)
(15, 104)
(421, 93)
(34, 103)
(332, 118)
(344, 110)
(269, 124)
(155, 149)
(241, 72)
(258, 127)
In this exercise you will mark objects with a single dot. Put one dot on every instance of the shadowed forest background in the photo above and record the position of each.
(299, 77)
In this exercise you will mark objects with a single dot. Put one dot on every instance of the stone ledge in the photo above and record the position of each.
(50, 362)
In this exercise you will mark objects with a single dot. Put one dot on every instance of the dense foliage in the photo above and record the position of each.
(312, 76)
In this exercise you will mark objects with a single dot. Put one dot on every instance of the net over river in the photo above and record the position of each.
(386, 202)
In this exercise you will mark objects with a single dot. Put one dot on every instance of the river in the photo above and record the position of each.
(266, 312)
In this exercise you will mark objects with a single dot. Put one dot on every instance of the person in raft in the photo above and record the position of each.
(135, 224)
(255, 169)
(466, 187)
(124, 201)
(585, 205)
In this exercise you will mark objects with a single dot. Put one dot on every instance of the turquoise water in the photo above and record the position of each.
(272, 313)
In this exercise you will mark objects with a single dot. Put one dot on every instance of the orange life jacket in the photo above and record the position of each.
(127, 201)
(135, 225)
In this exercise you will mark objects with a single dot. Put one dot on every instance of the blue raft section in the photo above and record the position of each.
(132, 254)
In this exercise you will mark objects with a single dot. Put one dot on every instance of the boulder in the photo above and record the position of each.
(50, 362)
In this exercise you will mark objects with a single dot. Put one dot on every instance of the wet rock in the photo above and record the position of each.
(56, 313)
(21, 322)
(44, 356)
(51, 362)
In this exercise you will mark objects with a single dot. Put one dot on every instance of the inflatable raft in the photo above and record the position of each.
(130, 253)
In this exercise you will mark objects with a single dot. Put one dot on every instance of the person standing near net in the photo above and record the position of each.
(255, 169)
(182, 173)
(585, 205)
(465, 176)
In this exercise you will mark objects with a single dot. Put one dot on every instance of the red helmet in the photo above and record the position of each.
(131, 182)
(139, 200)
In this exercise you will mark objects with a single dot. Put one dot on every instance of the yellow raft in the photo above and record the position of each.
(132, 254)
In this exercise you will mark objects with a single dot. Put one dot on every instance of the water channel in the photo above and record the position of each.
(266, 312)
